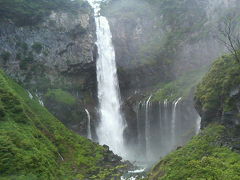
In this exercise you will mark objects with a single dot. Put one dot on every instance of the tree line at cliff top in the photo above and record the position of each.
(31, 12)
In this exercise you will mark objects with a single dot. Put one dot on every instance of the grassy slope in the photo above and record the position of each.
(202, 158)
(32, 142)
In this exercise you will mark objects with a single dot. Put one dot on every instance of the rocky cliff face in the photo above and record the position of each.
(137, 72)
(153, 48)
(57, 54)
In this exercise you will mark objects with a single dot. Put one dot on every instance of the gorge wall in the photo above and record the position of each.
(154, 49)
(54, 59)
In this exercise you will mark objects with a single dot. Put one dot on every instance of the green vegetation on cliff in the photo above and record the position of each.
(35, 145)
(29, 12)
(204, 157)
(181, 87)
(218, 92)
(61, 96)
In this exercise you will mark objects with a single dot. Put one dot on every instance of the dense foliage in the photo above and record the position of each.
(218, 91)
(31, 12)
(35, 145)
(202, 158)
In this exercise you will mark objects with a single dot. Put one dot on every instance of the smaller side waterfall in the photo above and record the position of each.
(160, 121)
(173, 124)
(138, 123)
(198, 125)
(30, 95)
(147, 126)
(163, 126)
(89, 133)
(40, 100)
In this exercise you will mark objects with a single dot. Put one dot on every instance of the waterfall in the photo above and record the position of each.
(30, 95)
(160, 120)
(89, 133)
(162, 126)
(40, 100)
(198, 125)
(147, 126)
(111, 126)
(173, 124)
(138, 124)
(165, 118)
(165, 110)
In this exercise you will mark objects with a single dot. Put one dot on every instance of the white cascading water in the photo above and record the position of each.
(30, 95)
(165, 119)
(165, 109)
(198, 125)
(173, 124)
(111, 127)
(160, 115)
(89, 133)
(147, 127)
(138, 123)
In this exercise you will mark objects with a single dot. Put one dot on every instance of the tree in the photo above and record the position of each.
(229, 30)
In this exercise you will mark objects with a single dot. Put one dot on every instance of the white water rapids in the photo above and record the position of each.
(111, 127)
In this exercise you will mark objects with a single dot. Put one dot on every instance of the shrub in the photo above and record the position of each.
(37, 47)
(5, 56)
(213, 93)
(61, 96)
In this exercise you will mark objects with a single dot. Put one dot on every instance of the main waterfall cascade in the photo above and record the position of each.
(111, 126)
(161, 126)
